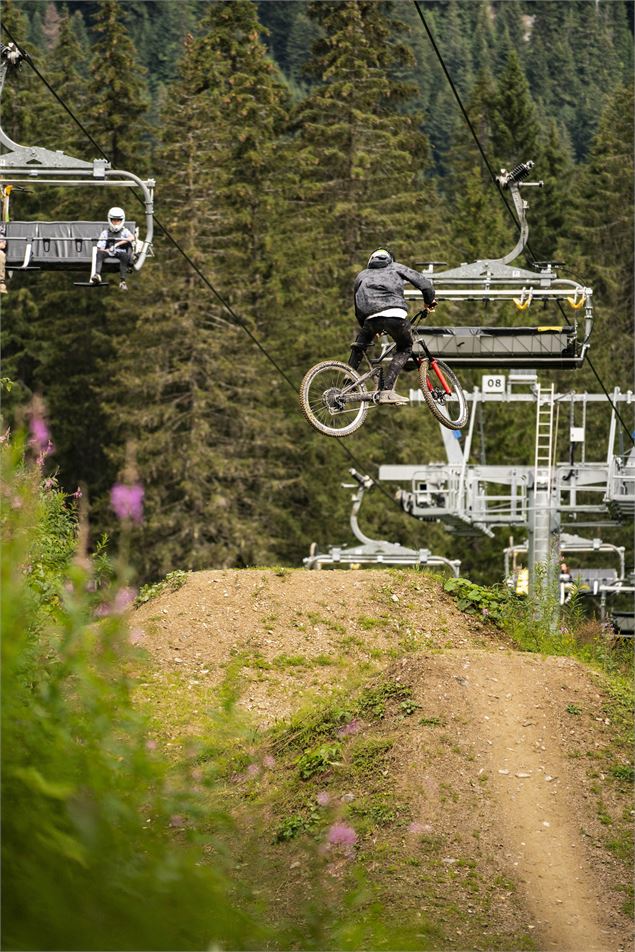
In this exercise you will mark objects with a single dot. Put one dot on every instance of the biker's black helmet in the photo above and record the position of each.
(380, 259)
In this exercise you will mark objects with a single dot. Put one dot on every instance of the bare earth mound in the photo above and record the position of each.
(500, 764)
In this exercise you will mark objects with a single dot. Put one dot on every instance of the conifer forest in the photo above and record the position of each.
(204, 745)
(288, 140)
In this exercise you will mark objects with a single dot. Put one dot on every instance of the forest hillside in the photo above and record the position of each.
(288, 140)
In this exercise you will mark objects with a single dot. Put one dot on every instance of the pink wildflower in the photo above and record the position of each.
(151, 745)
(123, 599)
(351, 728)
(47, 451)
(77, 494)
(177, 822)
(40, 436)
(103, 610)
(323, 798)
(253, 770)
(135, 636)
(340, 834)
(127, 501)
(48, 483)
(268, 761)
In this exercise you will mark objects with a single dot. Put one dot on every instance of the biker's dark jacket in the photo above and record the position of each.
(377, 288)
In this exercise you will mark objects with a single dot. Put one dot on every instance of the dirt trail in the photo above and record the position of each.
(536, 801)
(511, 717)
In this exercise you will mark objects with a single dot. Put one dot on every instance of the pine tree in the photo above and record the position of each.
(359, 161)
(599, 245)
(549, 213)
(480, 225)
(189, 388)
(117, 98)
(515, 124)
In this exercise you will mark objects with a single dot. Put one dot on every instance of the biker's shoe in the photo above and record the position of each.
(95, 279)
(391, 396)
(123, 286)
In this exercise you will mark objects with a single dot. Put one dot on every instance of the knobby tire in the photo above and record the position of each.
(326, 378)
(444, 413)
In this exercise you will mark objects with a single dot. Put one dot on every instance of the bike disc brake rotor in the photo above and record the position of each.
(439, 395)
(332, 400)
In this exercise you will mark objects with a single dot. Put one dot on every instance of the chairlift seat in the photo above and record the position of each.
(529, 347)
(590, 580)
(55, 245)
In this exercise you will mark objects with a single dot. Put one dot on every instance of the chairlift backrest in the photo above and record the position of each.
(54, 245)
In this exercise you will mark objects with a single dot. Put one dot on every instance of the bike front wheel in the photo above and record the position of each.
(443, 393)
(330, 398)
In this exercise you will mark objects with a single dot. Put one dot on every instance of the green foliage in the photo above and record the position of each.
(86, 810)
(318, 759)
(489, 603)
(374, 700)
(369, 753)
(172, 582)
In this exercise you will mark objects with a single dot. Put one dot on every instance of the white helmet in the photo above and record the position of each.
(116, 218)
(380, 259)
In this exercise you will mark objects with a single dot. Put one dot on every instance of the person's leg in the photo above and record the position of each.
(401, 332)
(99, 260)
(124, 256)
(364, 338)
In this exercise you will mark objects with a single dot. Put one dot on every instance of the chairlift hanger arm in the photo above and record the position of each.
(35, 165)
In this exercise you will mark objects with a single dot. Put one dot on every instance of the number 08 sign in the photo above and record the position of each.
(493, 383)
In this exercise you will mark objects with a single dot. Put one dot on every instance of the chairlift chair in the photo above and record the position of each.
(62, 245)
(547, 345)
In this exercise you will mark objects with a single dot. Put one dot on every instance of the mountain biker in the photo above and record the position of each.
(380, 307)
(116, 241)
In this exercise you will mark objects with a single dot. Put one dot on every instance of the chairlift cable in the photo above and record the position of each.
(494, 179)
(28, 59)
(615, 410)
(238, 320)
(466, 117)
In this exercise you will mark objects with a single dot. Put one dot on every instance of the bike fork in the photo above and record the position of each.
(439, 373)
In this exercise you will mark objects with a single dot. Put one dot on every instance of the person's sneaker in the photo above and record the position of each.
(123, 286)
(391, 396)
(95, 279)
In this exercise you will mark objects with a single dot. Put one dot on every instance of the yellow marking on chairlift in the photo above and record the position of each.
(521, 303)
(575, 304)
(548, 327)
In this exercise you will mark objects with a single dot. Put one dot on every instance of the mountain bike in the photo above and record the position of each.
(335, 399)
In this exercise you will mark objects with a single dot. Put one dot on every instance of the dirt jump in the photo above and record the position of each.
(502, 778)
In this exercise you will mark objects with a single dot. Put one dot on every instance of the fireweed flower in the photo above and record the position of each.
(127, 501)
(123, 599)
(340, 834)
(40, 436)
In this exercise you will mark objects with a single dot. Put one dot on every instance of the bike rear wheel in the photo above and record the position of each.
(322, 397)
(450, 409)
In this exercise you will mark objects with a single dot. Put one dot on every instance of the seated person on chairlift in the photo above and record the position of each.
(116, 242)
(380, 307)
